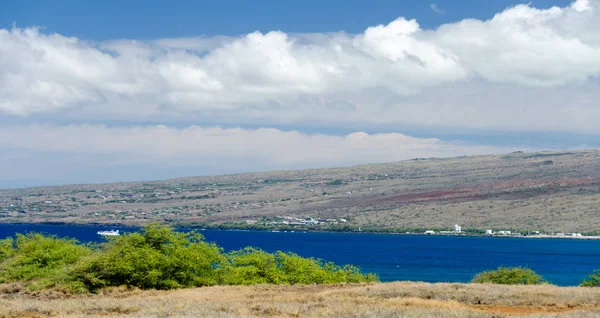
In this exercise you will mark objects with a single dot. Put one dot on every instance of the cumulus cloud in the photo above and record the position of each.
(386, 74)
(44, 72)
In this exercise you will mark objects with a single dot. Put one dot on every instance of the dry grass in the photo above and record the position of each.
(400, 299)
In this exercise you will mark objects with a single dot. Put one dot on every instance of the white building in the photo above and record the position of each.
(429, 232)
(310, 221)
(489, 232)
(457, 228)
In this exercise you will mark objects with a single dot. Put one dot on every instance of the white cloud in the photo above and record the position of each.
(436, 9)
(527, 46)
(391, 74)
(250, 149)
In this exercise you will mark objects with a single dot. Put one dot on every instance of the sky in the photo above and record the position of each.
(105, 91)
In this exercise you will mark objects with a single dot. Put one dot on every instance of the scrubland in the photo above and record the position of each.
(399, 299)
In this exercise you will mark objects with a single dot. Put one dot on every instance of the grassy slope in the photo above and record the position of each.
(400, 299)
(556, 191)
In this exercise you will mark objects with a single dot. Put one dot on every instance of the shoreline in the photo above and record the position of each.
(542, 236)
(305, 230)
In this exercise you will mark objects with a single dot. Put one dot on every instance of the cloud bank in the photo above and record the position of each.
(53, 154)
(387, 74)
(272, 147)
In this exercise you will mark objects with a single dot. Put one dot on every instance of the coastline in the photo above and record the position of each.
(345, 230)
(547, 236)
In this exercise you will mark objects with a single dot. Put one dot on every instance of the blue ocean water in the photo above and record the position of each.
(397, 257)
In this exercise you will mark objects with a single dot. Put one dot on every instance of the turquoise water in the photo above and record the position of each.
(398, 257)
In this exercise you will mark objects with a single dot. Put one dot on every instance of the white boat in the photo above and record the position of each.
(109, 233)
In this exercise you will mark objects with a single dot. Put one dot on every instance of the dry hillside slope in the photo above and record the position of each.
(549, 191)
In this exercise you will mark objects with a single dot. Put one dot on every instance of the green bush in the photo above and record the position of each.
(156, 257)
(509, 276)
(46, 259)
(593, 280)
(252, 266)
(7, 248)
(300, 270)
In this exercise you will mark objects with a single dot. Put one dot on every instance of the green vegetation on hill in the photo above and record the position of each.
(157, 257)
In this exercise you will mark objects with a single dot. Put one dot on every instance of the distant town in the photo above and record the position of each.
(291, 221)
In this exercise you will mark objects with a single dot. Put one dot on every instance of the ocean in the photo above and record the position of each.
(563, 262)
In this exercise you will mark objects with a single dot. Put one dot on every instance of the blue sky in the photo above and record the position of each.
(140, 90)
(151, 19)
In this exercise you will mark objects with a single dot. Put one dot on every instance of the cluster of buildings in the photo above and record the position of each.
(568, 234)
(289, 220)
(533, 234)
(457, 230)
(502, 232)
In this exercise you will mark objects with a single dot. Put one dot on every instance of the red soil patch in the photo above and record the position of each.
(501, 188)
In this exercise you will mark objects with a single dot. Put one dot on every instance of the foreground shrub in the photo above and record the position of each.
(593, 280)
(6, 248)
(253, 266)
(157, 257)
(44, 258)
(509, 276)
(300, 270)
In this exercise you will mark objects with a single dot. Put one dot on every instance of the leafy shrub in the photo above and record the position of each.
(299, 270)
(509, 276)
(7, 248)
(156, 257)
(45, 258)
(253, 266)
(593, 280)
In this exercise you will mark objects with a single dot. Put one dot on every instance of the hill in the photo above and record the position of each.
(546, 191)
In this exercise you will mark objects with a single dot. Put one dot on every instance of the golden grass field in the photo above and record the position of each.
(398, 299)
